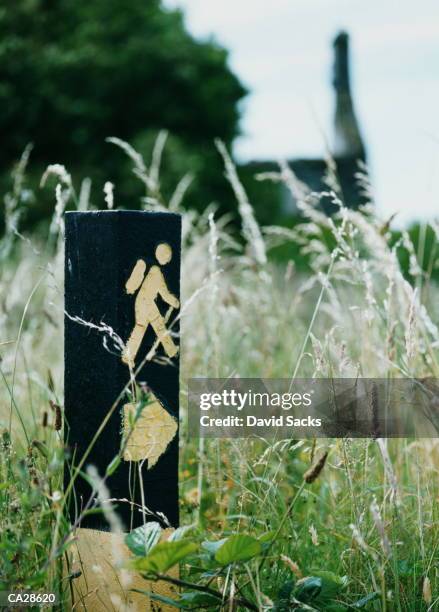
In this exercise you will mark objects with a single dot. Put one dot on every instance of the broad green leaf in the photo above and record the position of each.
(331, 577)
(320, 589)
(332, 586)
(164, 556)
(236, 548)
(308, 589)
(141, 540)
(179, 533)
(212, 547)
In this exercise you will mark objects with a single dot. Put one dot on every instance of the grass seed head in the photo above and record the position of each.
(314, 471)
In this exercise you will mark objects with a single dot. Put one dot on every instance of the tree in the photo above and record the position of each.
(73, 72)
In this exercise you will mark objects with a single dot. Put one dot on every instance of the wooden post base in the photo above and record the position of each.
(103, 585)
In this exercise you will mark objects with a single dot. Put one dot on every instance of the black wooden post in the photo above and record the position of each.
(122, 270)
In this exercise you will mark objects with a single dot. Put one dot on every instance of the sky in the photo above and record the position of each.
(281, 50)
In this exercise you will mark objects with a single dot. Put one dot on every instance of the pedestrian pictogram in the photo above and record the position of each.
(148, 289)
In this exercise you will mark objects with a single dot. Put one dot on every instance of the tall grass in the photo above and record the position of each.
(370, 517)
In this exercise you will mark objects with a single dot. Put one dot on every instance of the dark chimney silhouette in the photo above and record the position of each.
(347, 150)
(347, 137)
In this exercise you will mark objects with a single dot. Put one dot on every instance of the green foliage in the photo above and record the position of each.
(233, 550)
(163, 556)
(30, 514)
(194, 599)
(319, 592)
(74, 73)
(112, 467)
(180, 533)
(353, 314)
(141, 540)
(364, 601)
(238, 548)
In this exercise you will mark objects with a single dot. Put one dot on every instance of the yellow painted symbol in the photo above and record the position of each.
(151, 434)
(146, 311)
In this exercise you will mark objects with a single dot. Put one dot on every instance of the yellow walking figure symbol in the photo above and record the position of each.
(146, 311)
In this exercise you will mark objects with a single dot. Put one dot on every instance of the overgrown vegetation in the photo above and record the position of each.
(291, 525)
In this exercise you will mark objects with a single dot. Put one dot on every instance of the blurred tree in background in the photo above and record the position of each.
(73, 72)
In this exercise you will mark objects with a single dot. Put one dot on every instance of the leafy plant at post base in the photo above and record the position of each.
(141, 540)
(215, 557)
(164, 555)
(318, 592)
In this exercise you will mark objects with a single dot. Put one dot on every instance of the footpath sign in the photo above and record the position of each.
(122, 300)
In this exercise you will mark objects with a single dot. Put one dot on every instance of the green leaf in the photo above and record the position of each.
(266, 540)
(198, 599)
(212, 547)
(179, 533)
(141, 540)
(331, 578)
(113, 465)
(405, 568)
(238, 547)
(267, 537)
(308, 589)
(162, 598)
(332, 585)
(361, 603)
(321, 589)
(92, 511)
(164, 556)
(285, 597)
